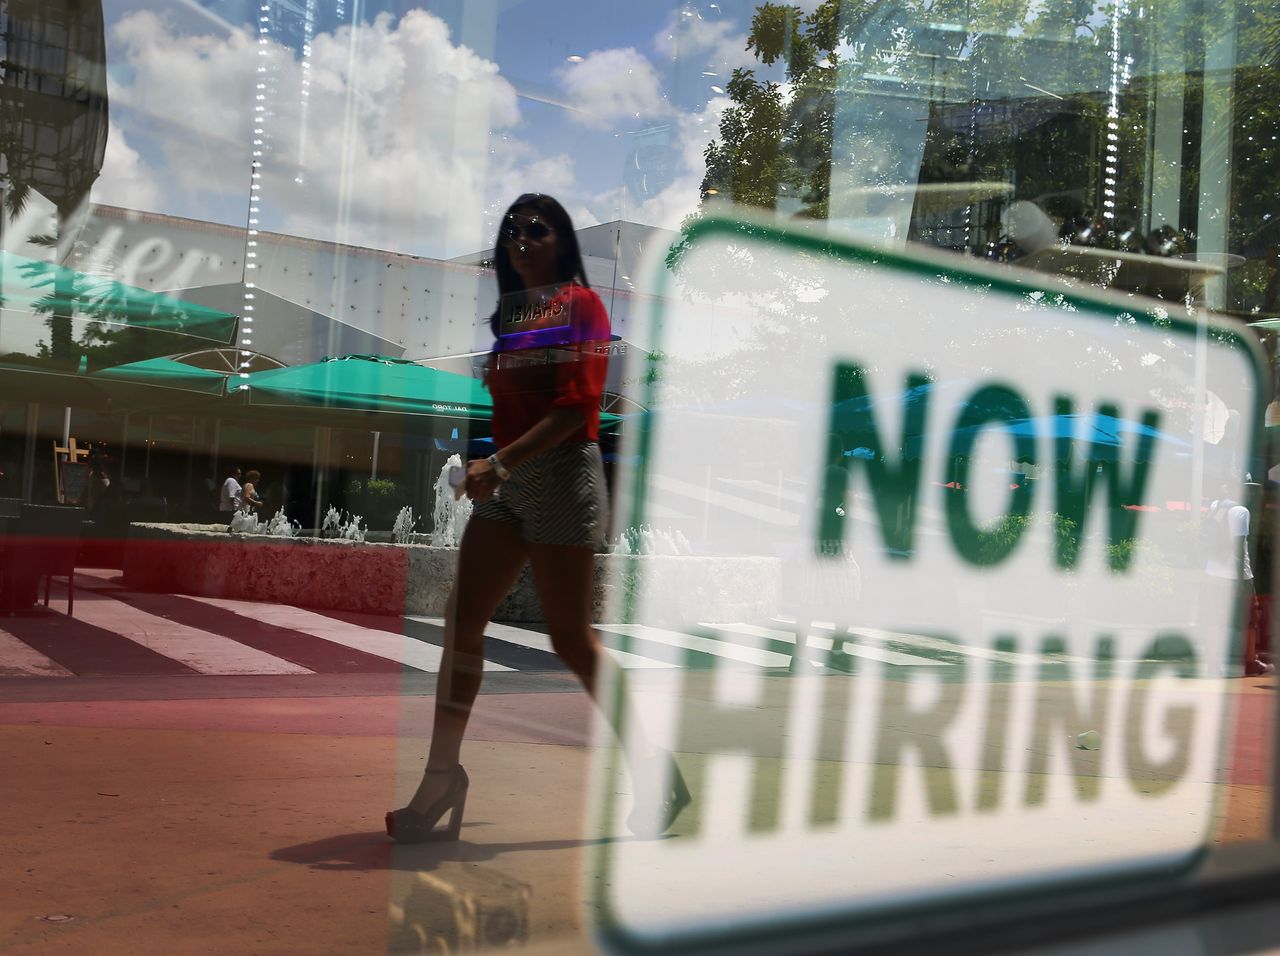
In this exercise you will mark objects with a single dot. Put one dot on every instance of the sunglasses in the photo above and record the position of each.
(533, 231)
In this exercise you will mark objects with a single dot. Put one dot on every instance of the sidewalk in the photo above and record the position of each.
(254, 824)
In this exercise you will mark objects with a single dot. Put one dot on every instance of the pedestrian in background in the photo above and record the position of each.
(249, 497)
(230, 493)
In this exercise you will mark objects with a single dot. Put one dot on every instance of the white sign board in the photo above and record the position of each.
(993, 495)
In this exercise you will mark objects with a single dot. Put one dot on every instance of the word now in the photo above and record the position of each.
(895, 478)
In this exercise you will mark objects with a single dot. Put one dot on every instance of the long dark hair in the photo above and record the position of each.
(569, 264)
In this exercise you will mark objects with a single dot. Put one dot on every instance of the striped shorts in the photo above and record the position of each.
(557, 497)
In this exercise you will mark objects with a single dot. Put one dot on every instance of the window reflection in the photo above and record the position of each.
(198, 196)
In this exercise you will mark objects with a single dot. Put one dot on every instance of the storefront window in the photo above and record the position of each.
(998, 281)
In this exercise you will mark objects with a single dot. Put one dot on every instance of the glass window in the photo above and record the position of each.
(920, 361)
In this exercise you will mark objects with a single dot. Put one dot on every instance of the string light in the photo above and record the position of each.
(255, 190)
(308, 32)
(1120, 71)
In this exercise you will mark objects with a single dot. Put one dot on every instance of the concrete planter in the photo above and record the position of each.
(394, 579)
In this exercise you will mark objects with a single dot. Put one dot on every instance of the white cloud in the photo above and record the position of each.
(691, 132)
(612, 86)
(126, 179)
(721, 47)
(402, 141)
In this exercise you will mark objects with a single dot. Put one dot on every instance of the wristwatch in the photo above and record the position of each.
(498, 467)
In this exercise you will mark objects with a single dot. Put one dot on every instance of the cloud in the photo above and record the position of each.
(126, 179)
(612, 86)
(717, 43)
(690, 134)
(388, 135)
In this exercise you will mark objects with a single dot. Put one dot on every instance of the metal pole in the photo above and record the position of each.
(217, 450)
(319, 469)
(124, 447)
(373, 471)
(29, 452)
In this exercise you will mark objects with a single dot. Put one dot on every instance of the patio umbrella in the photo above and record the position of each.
(368, 385)
(29, 285)
(167, 373)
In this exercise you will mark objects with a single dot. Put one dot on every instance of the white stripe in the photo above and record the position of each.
(755, 484)
(536, 640)
(973, 650)
(393, 647)
(937, 644)
(18, 659)
(202, 651)
(702, 494)
(853, 648)
(706, 645)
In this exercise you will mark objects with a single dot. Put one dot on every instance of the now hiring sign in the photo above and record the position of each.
(985, 656)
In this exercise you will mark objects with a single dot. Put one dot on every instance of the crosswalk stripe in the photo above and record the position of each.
(705, 645)
(305, 650)
(851, 646)
(202, 651)
(937, 645)
(541, 642)
(399, 648)
(18, 659)
(766, 489)
(173, 635)
(721, 499)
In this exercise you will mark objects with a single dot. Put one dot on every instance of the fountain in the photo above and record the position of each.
(280, 526)
(450, 515)
(413, 573)
(402, 530)
(333, 526)
(244, 522)
(647, 540)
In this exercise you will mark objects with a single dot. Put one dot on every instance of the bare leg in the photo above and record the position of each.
(800, 655)
(490, 559)
(564, 578)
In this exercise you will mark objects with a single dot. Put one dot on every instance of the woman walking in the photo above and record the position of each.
(540, 499)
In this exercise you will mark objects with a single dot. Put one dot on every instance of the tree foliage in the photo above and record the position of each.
(1053, 98)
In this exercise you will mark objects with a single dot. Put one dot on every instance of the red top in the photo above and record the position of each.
(557, 359)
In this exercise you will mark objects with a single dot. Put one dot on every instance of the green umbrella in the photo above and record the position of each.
(42, 287)
(167, 373)
(368, 383)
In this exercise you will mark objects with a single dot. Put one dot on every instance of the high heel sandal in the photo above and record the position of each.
(641, 820)
(408, 825)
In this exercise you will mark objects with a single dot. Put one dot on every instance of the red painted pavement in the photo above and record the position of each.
(554, 718)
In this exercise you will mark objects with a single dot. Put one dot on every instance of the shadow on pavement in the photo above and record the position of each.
(373, 851)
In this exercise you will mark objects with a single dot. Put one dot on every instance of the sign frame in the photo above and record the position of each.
(983, 908)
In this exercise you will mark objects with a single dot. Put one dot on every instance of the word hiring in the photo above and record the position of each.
(1011, 725)
(895, 478)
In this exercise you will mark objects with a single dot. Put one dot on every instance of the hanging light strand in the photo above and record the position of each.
(258, 116)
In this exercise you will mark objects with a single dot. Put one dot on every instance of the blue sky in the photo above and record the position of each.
(408, 126)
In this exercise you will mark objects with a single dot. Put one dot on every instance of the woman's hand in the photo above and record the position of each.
(482, 481)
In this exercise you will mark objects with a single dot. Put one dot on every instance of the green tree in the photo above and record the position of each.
(1052, 99)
